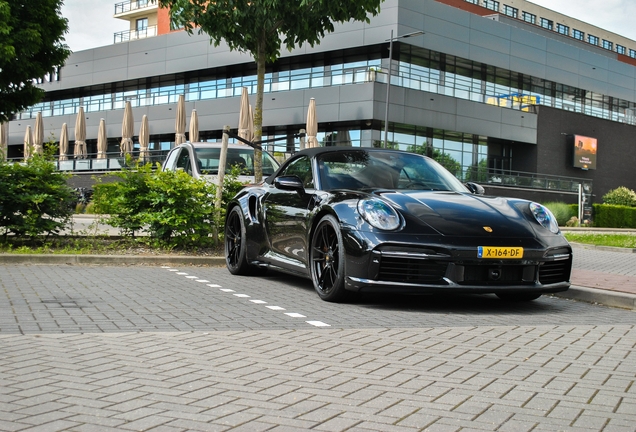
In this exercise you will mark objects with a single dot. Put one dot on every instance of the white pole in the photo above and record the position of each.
(580, 203)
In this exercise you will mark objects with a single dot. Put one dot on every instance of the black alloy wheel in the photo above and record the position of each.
(327, 260)
(235, 258)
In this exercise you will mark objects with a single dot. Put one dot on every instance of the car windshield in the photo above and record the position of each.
(243, 158)
(396, 170)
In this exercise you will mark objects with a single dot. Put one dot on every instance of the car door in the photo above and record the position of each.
(286, 216)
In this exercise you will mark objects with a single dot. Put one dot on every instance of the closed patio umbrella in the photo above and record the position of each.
(38, 135)
(4, 140)
(28, 142)
(127, 131)
(194, 126)
(244, 116)
(144, 138)
(64, 142)
(79, 149)
(312, 124)
(180, 123)
(102, 140)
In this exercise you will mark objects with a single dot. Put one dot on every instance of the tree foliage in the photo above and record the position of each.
(262, 27)
(31, 45)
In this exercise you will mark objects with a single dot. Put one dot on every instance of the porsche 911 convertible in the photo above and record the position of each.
(374, 220)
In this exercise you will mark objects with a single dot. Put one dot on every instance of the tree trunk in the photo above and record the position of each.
(258, 110)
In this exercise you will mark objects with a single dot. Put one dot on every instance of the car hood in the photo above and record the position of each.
(459, 214)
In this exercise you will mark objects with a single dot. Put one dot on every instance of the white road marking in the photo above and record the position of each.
(274, 308)
(318, 323)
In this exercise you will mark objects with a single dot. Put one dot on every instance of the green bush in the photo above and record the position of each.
(34, 198)
(561, 211)
(620, 196)
(171, 206)
(614, 216)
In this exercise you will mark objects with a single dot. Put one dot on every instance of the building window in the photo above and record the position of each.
(563, 29)
(592, 39)
(528, 17)
(473, 1)
(492, 5)
(510, 11)
(578, 34)
(141, 24)
(608, 45)
(632, 53)
(546, 24)
(621, 49)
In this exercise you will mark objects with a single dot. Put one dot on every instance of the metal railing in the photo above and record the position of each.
(132, 5)
(528, 180)
(113, 161)
(128, 35)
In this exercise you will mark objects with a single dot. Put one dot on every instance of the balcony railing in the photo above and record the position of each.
(132, 5)
(128, 35)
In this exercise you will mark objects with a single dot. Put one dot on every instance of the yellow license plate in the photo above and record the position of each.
(492, 252)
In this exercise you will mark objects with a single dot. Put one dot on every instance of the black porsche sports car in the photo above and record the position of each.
(374, 220)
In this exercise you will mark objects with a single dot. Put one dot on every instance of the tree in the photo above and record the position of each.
(31, 46)
(261, 27)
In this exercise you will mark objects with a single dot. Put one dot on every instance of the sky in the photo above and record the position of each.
(91, 22)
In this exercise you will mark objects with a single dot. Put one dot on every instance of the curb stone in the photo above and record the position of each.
(82, 259)
(604, 297)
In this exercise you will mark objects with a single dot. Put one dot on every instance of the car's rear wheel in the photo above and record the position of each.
(235, 244)
(518, 297)
(327, 260)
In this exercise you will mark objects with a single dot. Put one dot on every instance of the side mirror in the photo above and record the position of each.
(291, 183)
(475, 188)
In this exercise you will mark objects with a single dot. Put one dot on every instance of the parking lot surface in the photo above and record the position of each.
(193, 348)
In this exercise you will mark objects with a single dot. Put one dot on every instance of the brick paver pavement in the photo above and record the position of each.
(194, 348)
(604, 269)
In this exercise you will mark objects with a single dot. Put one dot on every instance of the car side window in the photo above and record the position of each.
(301, 168)
(172, 160)
(184, 161)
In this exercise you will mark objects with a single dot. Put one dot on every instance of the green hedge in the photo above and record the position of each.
(614, 216)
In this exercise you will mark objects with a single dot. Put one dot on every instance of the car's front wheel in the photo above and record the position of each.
(235, 244)
(518, 297)
(327, 260)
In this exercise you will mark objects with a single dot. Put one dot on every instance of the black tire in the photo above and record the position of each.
(326, 260)
(518, 297)
(235, 243)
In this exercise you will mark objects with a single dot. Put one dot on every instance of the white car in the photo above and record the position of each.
(201, 160)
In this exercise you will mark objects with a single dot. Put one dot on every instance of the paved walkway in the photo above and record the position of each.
(604, 275)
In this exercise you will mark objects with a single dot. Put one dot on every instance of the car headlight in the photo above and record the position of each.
(545, 217)
(378, 213)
